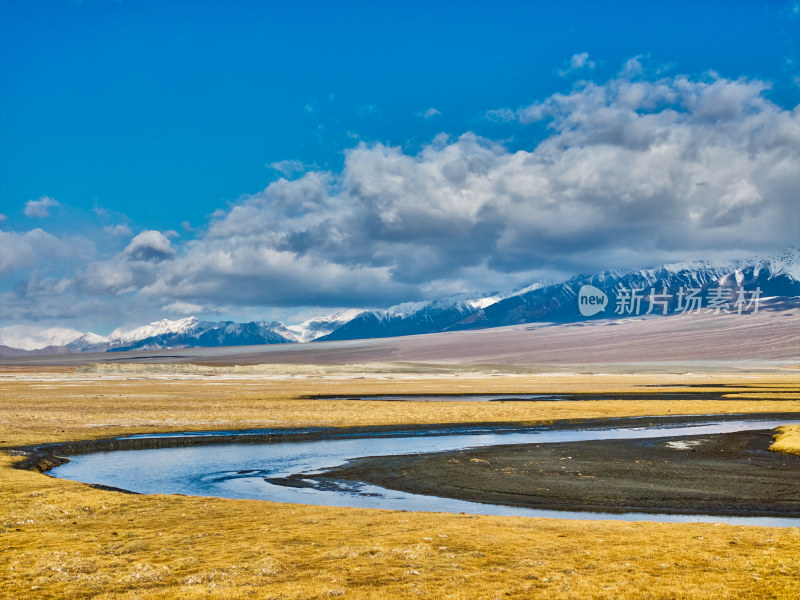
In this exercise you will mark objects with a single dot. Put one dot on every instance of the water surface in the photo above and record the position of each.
(241, 470)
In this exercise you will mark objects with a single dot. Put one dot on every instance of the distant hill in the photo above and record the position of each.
(627, 292)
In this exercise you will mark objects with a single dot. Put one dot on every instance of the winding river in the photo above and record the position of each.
(243, 470)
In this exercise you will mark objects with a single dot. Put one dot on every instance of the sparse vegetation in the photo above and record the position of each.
(62, 539)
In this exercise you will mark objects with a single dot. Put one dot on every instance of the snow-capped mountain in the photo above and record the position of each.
(777, 275)
(412, 318)
(120, 337)
(318, 327)
(156, 328)
(188, 332)
(88, 342)
(205, 334)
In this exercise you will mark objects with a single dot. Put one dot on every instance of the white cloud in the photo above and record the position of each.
(632, 67)
(576, 63)
(248, 272)
(39, 299)
(3, 218)
(501, 115)
(430, 113)
(632, 173)
(634, 170)
(32, 248)
(151, 245)
(120, 230)
(115, 276)
(288, 167)
(27, 337)
(39, 209)
(621, 169)
(184, 308)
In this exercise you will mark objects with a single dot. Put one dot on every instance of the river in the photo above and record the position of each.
(241, 470)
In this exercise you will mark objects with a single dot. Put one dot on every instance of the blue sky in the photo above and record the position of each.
(236, 160)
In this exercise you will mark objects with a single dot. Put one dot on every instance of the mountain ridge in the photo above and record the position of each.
(776, 275)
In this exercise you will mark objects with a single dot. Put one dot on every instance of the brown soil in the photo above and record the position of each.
(716, 474)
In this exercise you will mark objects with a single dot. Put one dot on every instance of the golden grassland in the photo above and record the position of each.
(62, 539)
(787, 440)
(61, 405)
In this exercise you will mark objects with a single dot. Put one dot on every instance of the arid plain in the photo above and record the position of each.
(63, 539)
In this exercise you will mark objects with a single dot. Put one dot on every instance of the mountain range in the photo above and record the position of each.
(669, 284)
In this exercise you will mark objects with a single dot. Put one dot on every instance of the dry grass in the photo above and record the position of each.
(60, 406)
(787, 440)
(62, 539)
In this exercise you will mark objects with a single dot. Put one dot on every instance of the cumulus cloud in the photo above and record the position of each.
(3, 218)
(250, 273)
(632, 169)
(151, 245)
(36, 247)
(131, 270)
(37, 299)
(631, 173)
(39, 209)
(115, 276)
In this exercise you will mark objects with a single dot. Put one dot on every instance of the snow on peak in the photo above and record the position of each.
(338, 317)
(405, 309)
(87, 339)
(152, 329)
(693, 265)
(480, 303)
(23, 337)
(469, 300)
(528, 288)
(318, 326)
(786, 262)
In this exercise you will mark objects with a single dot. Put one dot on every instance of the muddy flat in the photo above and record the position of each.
(730, 473)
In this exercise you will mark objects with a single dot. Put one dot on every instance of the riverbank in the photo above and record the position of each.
(732, 474)
(63, 539)
(787, 440)
(43, 457)
(68, 406)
